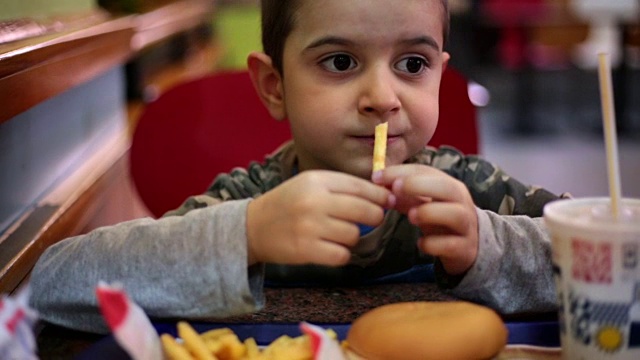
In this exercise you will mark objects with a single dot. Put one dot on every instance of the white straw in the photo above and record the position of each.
(610, 138)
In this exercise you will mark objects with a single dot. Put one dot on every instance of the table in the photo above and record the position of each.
(333, 307)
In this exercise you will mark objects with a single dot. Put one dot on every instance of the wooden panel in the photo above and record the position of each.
(40, 71)
(17, 249)
(38, 68)
(43, 227)
(101, 193)
(48, 223)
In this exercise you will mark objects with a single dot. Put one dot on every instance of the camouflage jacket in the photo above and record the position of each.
(507, 210)
(194, 266)
(490, 188)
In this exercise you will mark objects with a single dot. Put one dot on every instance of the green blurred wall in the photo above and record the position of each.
(15, 9)
(237, 27)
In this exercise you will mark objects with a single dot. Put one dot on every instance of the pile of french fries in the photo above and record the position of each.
(224, 344)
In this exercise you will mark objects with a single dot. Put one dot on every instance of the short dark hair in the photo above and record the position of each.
(278, 18)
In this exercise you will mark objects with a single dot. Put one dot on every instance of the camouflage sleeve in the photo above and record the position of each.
(239, 184)
(490, 188)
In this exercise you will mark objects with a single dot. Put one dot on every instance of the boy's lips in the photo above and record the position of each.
(370, 139)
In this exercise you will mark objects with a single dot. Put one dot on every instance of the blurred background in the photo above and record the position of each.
(536, 66)
(75, 75)
(537, 60)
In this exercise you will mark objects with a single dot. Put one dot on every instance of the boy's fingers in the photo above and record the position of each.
(454, 251)
(452, 216)
(438, 187)
(356, 210)
(387, 176)
(328, 253)
(339, 232)
(421, 181)
(355, 186)
(440, 245)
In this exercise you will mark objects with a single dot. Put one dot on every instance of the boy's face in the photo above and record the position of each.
(350, 65)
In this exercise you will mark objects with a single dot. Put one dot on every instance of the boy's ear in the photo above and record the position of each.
(268, 83)
(445, 60)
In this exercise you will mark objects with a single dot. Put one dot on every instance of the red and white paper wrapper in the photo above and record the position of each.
(323, 346)
(16, 327)
(131, 327)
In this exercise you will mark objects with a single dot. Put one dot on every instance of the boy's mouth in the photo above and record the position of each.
(370, 139)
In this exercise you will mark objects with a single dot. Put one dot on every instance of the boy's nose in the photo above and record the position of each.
(379, 96)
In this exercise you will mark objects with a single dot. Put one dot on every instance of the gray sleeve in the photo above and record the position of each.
(192, 266)
(513, 271)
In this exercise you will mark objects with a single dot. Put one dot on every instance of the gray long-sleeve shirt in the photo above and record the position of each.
(192, 263)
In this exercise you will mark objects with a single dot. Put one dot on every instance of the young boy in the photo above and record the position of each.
(313, 210)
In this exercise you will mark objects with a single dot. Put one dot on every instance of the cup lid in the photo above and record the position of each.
(595, 213)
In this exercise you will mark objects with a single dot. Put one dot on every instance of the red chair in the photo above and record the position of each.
(202, 127)
(196, 130)
(457, 125)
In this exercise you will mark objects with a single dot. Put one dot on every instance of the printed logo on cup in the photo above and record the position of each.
(592, 262)
(609, 326)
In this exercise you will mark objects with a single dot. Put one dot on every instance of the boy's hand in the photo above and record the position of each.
(312, 218)
(443, 209)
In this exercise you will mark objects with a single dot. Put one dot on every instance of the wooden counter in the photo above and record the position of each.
(37, 68)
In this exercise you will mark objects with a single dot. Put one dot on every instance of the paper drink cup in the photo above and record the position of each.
(596, 264)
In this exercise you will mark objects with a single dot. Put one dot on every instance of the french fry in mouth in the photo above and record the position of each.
(380, 146)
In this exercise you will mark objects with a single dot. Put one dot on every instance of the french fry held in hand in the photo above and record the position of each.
(223, 344)
(380, 146)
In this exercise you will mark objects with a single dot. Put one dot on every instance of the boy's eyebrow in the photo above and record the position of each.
(329, 40)
(423, 40)
(335, 40)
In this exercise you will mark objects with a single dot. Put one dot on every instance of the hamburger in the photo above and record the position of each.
(427, 330)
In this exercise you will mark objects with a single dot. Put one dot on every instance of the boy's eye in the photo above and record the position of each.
(339, 62)
(412, 64)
